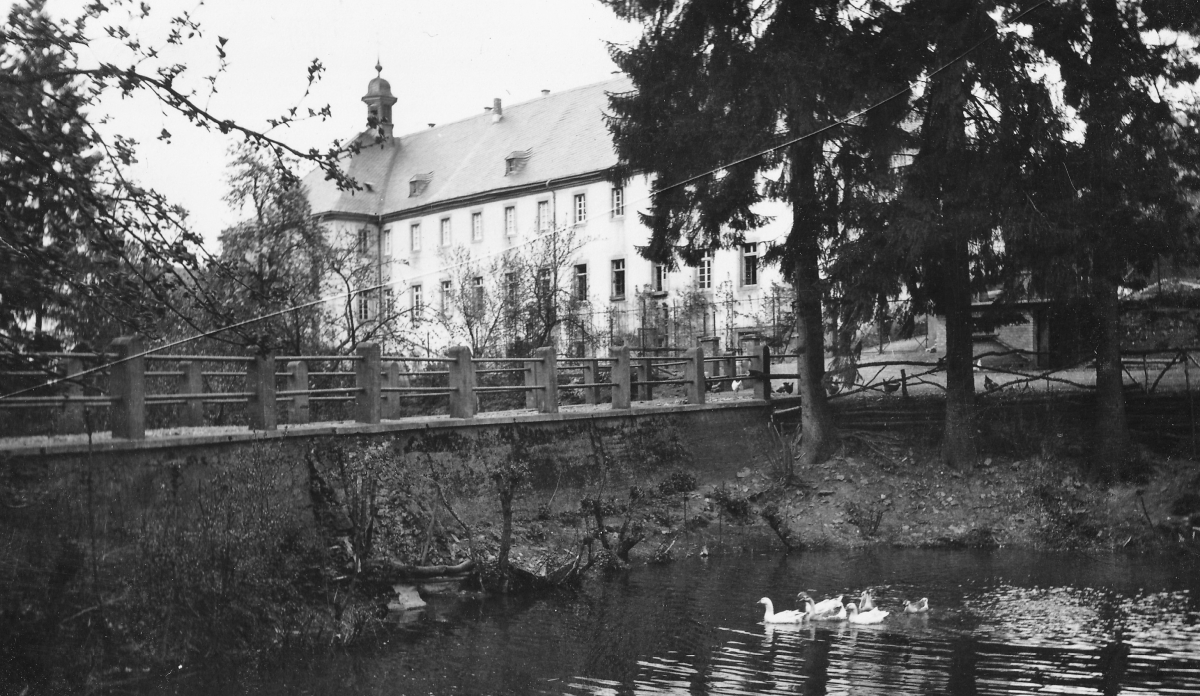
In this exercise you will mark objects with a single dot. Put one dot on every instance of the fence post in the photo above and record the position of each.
(71, 420)
(368, 378)
(693, 372)
(711, 346)
(297, 380)
(532, 396)
(646, 373)
(760, 362)
(192, 382)
(392, 380)
(591, 395)
(463, 402)
(127, 380)
(548, 375)
(728, 371)
(618, 374)
(260, 382)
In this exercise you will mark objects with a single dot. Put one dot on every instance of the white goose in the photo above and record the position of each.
(832, 612)
(872, 616)
(920, 606)
(791, 616)
(866, 602)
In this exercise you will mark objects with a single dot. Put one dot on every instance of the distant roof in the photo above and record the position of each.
(564, 133)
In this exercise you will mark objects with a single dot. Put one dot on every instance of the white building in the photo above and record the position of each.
(503, 179)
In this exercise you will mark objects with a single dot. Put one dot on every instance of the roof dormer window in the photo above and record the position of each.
(515, 162)
(417, 184)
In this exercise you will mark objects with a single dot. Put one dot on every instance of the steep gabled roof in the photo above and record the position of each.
(565, 135)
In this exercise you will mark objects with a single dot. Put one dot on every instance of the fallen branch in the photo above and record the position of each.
(396, 571)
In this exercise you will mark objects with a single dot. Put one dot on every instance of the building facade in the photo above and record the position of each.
(505, 227)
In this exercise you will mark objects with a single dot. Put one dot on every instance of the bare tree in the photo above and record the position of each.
(520, 299)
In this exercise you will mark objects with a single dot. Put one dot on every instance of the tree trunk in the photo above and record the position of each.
(817, 430)
(958, 445)
(506, 513)
(945, 144)
(1112, 431)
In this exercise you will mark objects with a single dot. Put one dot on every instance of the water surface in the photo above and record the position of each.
(1002, 622)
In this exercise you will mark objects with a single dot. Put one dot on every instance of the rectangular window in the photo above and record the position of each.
(581, 282)
(445, 229)
(658, 278)
(543, 216)
(511, 288)
(510, 221)
(580, 208)
(618, 279)
(749, 264)
(477, 227)
(364, 306)
(543, 284)
(444, 300)
(704, 274)
(387, 242)
(418, 305)
(364, 242)
(415, 234)
(618, 201)
(389, 301)
(477, 294)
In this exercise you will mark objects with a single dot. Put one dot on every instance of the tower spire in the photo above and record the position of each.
(379, 101)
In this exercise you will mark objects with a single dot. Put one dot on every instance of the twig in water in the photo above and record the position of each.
(1144, 512)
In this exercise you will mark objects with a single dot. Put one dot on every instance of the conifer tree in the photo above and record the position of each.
(981, 138)
(1121, 198)
(719, 82)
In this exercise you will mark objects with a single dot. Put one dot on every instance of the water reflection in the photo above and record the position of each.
(1001, 623)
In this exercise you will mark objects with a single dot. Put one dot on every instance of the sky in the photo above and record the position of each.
(445, 60)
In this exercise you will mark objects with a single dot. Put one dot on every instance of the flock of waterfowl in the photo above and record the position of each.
(864, 612)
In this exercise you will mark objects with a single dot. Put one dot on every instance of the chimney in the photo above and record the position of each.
(497, 110)
(545, 92)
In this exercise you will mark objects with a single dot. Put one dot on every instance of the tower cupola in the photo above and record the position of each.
(379, 101)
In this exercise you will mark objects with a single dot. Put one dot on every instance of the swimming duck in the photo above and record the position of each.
(866, 602)
(872, 616)
(833, 613)
(792, 616)
(920, 606)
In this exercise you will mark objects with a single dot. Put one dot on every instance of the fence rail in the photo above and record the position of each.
(273, 388)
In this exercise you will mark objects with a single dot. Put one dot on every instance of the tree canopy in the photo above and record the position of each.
(89, 253)
(928, 150)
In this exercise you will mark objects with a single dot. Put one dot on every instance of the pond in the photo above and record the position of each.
(1002, 622)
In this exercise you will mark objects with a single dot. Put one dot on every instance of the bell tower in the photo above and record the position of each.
(379, 101)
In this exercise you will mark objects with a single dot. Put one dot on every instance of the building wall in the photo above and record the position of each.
(609, 236)
(1021, 336)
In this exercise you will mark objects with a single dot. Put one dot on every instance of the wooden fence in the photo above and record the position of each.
(375, 386)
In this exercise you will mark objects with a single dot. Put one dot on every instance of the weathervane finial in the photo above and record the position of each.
(378, 67)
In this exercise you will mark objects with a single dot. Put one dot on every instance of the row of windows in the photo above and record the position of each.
(617, 277)
(580, 287)
(579, 212)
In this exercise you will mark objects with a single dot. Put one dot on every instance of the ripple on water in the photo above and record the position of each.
(1002, 623)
